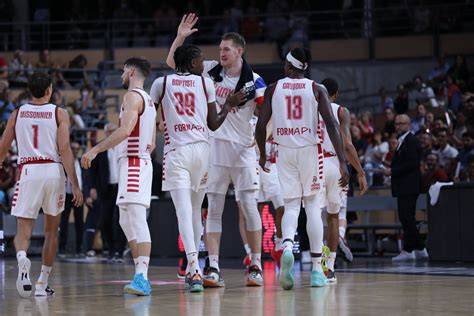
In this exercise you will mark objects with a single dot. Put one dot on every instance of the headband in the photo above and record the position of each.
(295, 62)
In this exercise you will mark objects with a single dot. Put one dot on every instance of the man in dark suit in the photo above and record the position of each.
(406, 180)
(104, 170)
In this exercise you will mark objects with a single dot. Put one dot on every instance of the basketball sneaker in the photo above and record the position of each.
(139, 286)
(331, 277)
(23, 283)
(42, 289)
(254, 276)
(247, 261)
(276, 256)
(194, 283)
(213, 278)
(287, 261)
(318, 279)
(346, 251)
(404, 256)
(324, 258)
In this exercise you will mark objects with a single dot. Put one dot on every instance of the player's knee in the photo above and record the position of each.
(333, 208)
(249, 207)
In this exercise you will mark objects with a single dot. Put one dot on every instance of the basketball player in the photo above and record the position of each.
(232, 157)
(188, 108)
(135, 139)
(335, 195)
(41, 130)
(294, 103)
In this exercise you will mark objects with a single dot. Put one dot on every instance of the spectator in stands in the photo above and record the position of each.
(401, 101)
(23, 98)
(447, 153)
(423, 93)
(365, 126)
(439, 123)
(418, 123)
(426, 144)
(354, 119)
(466, 175)
(373, 157)
(469, 112)
(57, 98)
(432, 172)
(454, 94)
(459, 72)
(7, 179)
(439, 72)
(78, 211)
(467, 151)
(20, 70)
(76, 75)
(385, 100)
(44, 60)
(360, 143)
(406, 178)
(298, 33)
(87, 107)
(459, 130)
(6, 104)
(389, 129)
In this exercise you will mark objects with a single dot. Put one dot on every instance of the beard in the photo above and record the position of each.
(125, 84)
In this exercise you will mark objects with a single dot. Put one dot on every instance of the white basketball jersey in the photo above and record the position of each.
(184, 109)
(138, 144)
(295, 113)
(324, 137)
(36, 131)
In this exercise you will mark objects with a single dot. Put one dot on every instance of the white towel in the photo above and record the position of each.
(434, 191)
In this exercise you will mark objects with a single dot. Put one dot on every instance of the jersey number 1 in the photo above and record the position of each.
(294, 109)
(185, 104)
(35, 136)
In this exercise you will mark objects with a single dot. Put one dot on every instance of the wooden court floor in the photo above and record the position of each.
(96, 289)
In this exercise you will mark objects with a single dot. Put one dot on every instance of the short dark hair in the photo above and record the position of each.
(236, 38)
(184, 55)
(141, 64)
(469, 134)
(331, 85)
(38, 83)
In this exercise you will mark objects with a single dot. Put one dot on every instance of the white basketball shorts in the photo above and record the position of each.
(135, 177)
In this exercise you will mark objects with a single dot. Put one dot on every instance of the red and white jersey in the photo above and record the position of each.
(324, 137)
(295, 113)
(139, 143)
(184, 99)
(36, 131)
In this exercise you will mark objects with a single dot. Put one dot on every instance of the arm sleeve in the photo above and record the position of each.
(211, 91)
(156, 90)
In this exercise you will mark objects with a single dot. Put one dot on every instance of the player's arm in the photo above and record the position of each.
(67, 157)
(8, 136)
(132, 103)
(185, 29)
(265, 113)
(324, 107)
(349, 149)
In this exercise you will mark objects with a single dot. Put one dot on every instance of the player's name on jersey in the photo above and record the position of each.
(221, 91)
(24, 160)
(188, 127)
(294, 86)
(183, 83)
(36, 115)
(290, 131)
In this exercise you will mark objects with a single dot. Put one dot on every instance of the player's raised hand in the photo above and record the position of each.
(344, 180)
(236, 98)
(363, 186)
(77, 197)
(262, 162)
(87, 158)
(188, 21)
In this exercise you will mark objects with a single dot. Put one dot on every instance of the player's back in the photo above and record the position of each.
(36, 131)
(295, 113)
(184, 109)
(328, 147)
(139, 142)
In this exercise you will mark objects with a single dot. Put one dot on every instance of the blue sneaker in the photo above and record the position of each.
(318, 279)
(287, 261)
(139, 286)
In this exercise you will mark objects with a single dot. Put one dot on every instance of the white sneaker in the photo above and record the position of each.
(404, 256)
(23, 283)
(421, 254)
(42, 289)
(305, 257)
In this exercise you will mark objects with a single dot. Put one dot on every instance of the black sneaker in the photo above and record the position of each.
(332, 279)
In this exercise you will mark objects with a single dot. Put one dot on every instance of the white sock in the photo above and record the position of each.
(342, 231)
(256, 260)
(214, 261)
(193, 263)
(247, 248)
(142, 266)
(316, 261)
(331, 260)
(20, 255)
(45, 271)
(278, 244)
